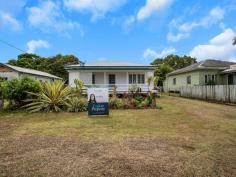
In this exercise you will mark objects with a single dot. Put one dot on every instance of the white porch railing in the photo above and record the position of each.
(120, 88)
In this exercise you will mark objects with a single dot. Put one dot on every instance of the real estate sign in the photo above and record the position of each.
(98, 101)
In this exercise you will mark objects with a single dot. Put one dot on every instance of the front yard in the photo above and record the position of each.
(184, 138)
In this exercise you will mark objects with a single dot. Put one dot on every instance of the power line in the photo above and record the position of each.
(11, 45)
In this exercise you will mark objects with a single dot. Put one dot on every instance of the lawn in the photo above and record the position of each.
(185, 138)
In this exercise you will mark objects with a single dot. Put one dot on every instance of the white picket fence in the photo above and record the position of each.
(221, 93)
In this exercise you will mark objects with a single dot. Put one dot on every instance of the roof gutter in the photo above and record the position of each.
(110, 68)
(197, 69)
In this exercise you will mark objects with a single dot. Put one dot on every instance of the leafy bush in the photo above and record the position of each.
(134, 90)
(53, 98)
(77, 104)
(79, 85)
(116, 103)
(16, 90)
(151, 99)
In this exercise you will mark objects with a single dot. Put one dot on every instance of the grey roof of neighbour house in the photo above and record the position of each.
(204, 65)
(31, 71)
(110, 65)
(232, 69)
(229, 71)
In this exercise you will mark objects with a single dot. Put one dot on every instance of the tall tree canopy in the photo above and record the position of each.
(175, 61)
(171, 63)
(53, 65)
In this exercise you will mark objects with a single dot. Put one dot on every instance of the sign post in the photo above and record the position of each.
(98, 102)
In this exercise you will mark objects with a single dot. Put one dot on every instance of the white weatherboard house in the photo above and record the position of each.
(9, 72)
(109, 74)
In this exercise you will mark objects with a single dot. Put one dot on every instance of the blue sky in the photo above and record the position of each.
(126, 30)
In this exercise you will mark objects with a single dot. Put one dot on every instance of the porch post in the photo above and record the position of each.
(127, 80)
(105, 74)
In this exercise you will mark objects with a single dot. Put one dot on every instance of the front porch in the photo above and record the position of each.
(122, 81)
(120, 88)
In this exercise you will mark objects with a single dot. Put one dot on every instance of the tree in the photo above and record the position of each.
(170, 63)
(53, 65)
(175, 61)
(31, 61)
(162, 71)
(158, 61)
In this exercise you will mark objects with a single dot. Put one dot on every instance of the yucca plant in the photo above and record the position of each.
(52, 98)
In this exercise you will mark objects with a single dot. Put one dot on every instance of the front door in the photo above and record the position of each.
(112, 79)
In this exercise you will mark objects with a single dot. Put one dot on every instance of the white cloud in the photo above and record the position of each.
(151, 7)
(48, 16)
(98, 8)
(36, 44)
(175, 38)
(152, 54)
(7, 20)
(215, 16)
(128, 22)
(219, 47)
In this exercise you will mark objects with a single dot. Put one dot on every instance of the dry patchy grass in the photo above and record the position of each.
(185, 138)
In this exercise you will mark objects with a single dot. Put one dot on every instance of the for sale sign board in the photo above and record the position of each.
(98, 101)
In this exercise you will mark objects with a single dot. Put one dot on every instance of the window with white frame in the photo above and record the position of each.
(136, 78)
(141, 79)
(210, 79)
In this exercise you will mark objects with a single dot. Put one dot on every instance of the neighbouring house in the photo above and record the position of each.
(109, 74)
(208, 72)
(9, 72)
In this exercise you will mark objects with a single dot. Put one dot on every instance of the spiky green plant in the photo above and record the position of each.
(77, 104)
(52, 98)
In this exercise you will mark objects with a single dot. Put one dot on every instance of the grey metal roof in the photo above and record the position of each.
(110, 65)
(232, 69)
(204, 65)
(31, 71)
(229, 71)
(114, 63)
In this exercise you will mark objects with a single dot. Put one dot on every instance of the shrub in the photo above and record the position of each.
(53, 98)
(77, 104)
(116, 103)
(16, 90)
(151, 99)
(134, 90)
(138, 98)
(79, 85)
